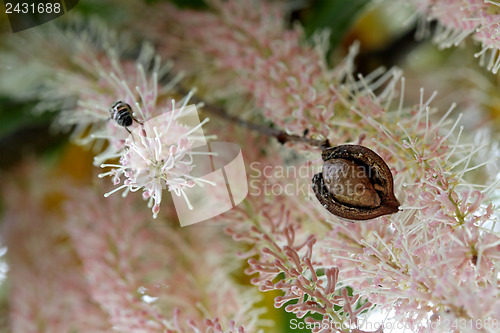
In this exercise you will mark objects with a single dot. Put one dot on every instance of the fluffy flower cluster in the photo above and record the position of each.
(434, 261)
(102, 266)
(444, 216)
(290, 82)
(158, 155)
(152, 278)
(459, 19)
(445, 222)
(44, 268)
(89, 78)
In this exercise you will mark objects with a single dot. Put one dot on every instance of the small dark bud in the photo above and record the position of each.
(281, 138)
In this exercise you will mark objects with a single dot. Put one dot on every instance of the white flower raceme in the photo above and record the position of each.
(158, 155)
(86, 71)
(118, 80)
(89, 76)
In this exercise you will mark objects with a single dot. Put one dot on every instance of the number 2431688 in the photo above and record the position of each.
(32, 8)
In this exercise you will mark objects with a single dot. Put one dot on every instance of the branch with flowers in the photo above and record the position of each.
(431, 264)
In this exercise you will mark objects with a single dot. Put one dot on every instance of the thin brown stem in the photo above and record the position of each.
(278, 134)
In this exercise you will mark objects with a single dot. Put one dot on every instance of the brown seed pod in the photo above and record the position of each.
(355, 184)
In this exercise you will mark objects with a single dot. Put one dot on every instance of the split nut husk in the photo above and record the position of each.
(356, 183)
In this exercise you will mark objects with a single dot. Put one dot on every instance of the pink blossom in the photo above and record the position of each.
(289, 81)
(434, 260)
(101, 265)
(407, 256)
(48, 289)
(459, 19)
(148, 277)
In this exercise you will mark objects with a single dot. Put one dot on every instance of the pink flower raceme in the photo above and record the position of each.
(431, 158)
(248, 42)
(48, 290)
(286, 242)
(152, 277)
(459, 19)
(98, 265)
(424, 262)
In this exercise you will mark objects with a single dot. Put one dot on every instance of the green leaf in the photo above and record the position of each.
(23, 133)
(194, 4)
(297, 325)
(15, 115)
(337, 15)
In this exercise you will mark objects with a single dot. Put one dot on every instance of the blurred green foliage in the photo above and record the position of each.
(16, 114)
(195, 4)
(335, 15)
